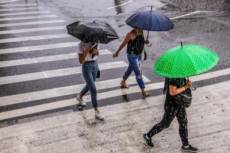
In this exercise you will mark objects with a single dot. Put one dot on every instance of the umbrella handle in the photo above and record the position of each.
(147, 38)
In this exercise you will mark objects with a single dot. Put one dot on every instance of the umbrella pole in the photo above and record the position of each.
(147, 38)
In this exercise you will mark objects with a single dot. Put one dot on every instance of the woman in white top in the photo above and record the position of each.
(88, 54)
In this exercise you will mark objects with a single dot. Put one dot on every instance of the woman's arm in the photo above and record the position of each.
(125, 42)
(173, 90)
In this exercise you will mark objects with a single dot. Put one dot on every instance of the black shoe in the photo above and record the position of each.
(189, 148)
(148, 140)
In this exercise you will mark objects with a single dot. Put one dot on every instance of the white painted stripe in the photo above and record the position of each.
(28, 17)
(42, 59)
(22, 97)
(104, 95)
(19, 9)
(55, 73)
(61, 91)
(7, 1)
(19, 5)
(32, 30)
(31, 23)
(38, 47)
(191, 13)
(30, 38)
(24, 13)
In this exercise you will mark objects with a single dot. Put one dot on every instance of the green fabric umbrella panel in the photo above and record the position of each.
(185, 61)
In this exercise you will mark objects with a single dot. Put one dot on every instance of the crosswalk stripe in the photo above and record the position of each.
(61, 91)
(32, 30)
(70, 102)
(7, 1)
(28, 17)
(38, 47)
(20, 97)
(55, 73)
(19, 9)
(19, 5)
(24, 13)
(42, 59)
(31, 23)
(30, 38)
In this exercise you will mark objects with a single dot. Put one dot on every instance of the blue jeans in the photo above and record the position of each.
(134, 65)
(89, 71)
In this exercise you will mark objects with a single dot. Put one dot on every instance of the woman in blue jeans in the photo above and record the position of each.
(88, 54)
(135, 45)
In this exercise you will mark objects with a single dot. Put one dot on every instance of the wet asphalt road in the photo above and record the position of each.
(40, 78)
(210, 29)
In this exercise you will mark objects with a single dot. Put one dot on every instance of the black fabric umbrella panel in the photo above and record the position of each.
(95, 31)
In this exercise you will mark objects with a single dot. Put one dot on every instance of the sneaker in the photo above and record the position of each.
(189, 148)
(98, 116)
(148, 140)
(123, 84)
(81, 102)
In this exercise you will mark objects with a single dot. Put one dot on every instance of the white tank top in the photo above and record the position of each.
(83, 47)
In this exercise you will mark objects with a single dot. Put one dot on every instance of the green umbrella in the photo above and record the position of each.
(185, 60)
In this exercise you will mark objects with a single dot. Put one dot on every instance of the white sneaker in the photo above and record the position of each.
(98, 116)
(81, 102)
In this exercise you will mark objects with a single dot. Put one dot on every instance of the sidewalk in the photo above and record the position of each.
(77, 132)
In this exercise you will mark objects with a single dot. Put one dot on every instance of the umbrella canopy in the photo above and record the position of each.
(95, 31)
(185, 60)
(150, 21)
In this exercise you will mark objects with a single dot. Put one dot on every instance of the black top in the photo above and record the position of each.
(178, 82)
(136, 46)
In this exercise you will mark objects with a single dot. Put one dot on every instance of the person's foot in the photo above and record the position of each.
(148, 140)
(123, 84)
(145, 94)
(189, 149)
(98, 116)
(81, 102)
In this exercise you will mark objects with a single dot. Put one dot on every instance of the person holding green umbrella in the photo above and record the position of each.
(176, 65)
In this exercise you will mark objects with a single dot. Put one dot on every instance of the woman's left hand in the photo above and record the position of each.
(115, 54)
(189, 84)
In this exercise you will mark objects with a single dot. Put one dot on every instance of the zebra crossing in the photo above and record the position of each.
(45, 77)
(15, 19)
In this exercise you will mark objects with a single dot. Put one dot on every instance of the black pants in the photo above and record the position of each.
(172, 110)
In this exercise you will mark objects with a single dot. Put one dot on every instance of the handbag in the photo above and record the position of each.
(184, 98)
(98, 73)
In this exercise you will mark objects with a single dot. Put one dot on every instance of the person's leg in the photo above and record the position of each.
(183, 130)
(168, 117)
(136, 64)
(170, 113)
(84, 90)
(183, 123)
(90, 81)
(127, 73)
(80, 96)
(94, 90)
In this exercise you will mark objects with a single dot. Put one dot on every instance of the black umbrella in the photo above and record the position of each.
(95, 31)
